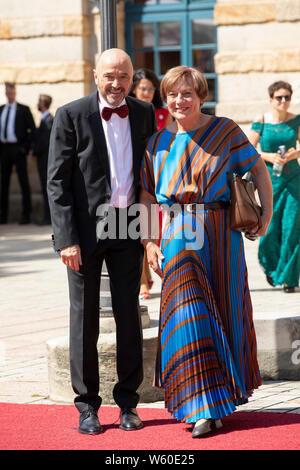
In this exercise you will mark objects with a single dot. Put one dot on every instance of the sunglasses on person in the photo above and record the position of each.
(280, 98)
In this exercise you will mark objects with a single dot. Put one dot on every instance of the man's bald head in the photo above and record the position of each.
(113, 75)
(112, 57)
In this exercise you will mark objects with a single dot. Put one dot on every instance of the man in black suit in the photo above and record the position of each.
(16, 136)
(96, 147)
(41, 149)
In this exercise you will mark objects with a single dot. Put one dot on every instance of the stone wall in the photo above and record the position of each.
(258, 43)
(50, 47)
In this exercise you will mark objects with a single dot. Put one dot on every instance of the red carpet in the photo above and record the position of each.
(50, 427)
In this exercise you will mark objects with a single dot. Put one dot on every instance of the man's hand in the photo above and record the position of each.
(71, 257)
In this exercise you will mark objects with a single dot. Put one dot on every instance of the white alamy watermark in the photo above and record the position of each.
(185, 222)
(295, 358)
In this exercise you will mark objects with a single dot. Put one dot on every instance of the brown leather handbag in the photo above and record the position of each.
(244, 211)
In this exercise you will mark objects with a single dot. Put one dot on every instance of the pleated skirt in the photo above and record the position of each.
(207, 354)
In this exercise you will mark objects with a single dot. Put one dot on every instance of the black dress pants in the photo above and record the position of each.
(123, 259)
(42, 164)
(11, 155)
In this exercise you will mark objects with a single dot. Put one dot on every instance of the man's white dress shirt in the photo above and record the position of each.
(44, 115)
(119, 146)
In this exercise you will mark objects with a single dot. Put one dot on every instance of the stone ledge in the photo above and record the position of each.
(278, 345)
(256, 11)
(278, 340)
(280, 60)
(73, 25)
(230, 13)
(288, 10)
(27, 73)
(59, 375)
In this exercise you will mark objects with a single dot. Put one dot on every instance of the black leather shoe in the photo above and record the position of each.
(288, 289)
(130, 420)
(89, 422)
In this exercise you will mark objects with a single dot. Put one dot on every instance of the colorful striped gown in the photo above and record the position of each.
(206, 360)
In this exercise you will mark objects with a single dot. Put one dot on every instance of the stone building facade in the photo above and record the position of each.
(50, 47)
(258, 43)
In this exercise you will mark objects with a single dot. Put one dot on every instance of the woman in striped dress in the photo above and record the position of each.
(206, 361)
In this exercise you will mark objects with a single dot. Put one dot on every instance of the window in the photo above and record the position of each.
(155, 2)
(161, 34)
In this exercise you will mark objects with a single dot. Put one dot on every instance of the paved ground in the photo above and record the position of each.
(34, 308)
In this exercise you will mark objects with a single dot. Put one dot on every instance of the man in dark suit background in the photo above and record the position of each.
(16, 136)
(41, 149)
(96, 147)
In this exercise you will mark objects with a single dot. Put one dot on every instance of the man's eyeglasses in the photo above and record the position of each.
(280, 98)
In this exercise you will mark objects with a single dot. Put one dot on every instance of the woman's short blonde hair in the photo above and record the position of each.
(188, 74)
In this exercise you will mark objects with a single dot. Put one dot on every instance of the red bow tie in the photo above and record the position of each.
(122, 111)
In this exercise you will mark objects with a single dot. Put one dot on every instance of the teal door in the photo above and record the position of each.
(161, 34)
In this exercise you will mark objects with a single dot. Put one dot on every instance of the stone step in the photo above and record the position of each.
(278, 343)
(60, 389)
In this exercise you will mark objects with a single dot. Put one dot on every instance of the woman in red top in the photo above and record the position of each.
(145, 87)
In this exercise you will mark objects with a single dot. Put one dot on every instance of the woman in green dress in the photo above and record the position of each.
(279, 249)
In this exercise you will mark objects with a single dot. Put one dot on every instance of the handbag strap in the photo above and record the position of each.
(263, 123)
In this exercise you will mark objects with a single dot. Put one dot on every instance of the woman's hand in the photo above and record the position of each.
(291, 154)
(154, 254)
(71, 257)
(278, 160)
(265, 222)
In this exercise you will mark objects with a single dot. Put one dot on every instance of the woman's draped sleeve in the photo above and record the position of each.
(243, 155)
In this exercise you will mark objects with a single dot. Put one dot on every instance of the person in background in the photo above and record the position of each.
(207, 353)
(17, 131)
(279, 249)
(145, 87)
(41, 149)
